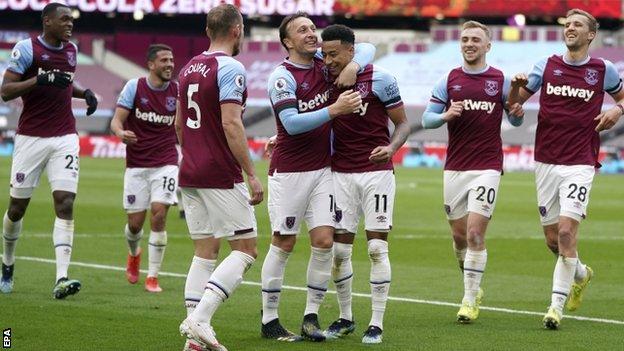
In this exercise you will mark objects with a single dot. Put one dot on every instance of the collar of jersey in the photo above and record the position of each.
(298, 65)
(467, 71)
(571, 63)
(57, 48)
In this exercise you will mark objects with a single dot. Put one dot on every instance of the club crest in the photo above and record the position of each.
(491, 87)
(71, 58)
(591, 76)
(447, 209)
(19, 177)
(131, 199)
(290, 222)
(338, 216)
(170, 103)
(362, 88)
(542, 211)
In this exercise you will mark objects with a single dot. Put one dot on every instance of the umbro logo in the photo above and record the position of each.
(144, 101)
(558, 72)
(456, 87)
(305, 86)
(45, 57)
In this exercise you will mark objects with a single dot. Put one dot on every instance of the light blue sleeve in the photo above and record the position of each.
(612, 80)
(297, 123)
(439, 94)
(282, 88)
(432, 117)
(231, 79)
(386, 88)
(536, 75)
(21, 57)
(515, 121)
(126, 98)
(364, 54)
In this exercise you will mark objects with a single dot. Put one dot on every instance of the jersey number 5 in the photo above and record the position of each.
(193, 123)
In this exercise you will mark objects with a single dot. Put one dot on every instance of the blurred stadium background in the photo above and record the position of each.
(416, 40)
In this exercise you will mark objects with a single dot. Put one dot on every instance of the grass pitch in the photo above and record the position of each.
(110, 314)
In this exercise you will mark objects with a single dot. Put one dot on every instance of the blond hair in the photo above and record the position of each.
(591, 20)
(475, 24)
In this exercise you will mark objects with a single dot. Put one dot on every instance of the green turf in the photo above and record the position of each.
(110, 314)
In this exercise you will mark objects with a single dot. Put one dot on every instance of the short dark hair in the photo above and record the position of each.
(220, 20)
(153, 50)
(51, 8)
(338, 32)
(283, 33)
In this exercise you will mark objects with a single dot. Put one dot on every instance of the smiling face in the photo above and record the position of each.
(474, 45)
(162, 65)
(576, 32)
(59, 24)
(336, 55)
(301, 36)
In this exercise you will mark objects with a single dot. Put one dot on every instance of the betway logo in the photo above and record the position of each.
(475, 105)
(566, 90)
(154, 117)
(41, 70)
(319, 100)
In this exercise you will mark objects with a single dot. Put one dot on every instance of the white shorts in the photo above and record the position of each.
(298, 196)
(370, 194)
(470, 191)
(219, 213)
(59, 155)
(143, 186)
(562, 191)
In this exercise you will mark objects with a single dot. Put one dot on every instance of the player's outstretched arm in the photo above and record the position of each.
(13, 87)
(517, 93)
(298, 123)
(383, 154)
(237, 141)
(116, 126)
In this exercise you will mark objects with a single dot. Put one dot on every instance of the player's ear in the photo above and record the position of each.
(591, 36)
(288, 43)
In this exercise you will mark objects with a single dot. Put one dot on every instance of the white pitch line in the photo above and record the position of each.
(298, 288)
(443, 236)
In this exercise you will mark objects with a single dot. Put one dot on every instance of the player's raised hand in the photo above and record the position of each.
(127, 137)
(348, 76)
(54, 78)
(515, 110)
(519, 80)
(454, 111)
(608, 119)
(270, 146)
(346, 103)
(257, 193)
(381, 154)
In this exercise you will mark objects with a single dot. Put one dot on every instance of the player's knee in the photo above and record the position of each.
(475, 238)
(65, 207)
(459, 238)
(377, 250)
(158, 219)
(566, 237)
(323, 242)
(15, 212)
